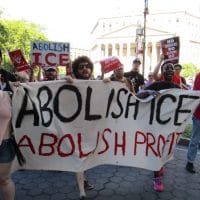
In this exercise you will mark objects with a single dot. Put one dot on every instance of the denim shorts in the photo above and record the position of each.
(7, 151)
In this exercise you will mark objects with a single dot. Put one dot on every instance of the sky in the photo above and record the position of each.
(73, 20)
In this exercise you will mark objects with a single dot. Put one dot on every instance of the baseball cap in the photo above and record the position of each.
(50, 69)
(137, 60)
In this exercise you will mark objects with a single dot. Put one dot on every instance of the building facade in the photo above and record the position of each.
(117, 36)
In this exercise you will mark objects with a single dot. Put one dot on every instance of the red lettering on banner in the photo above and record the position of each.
(150, 144)
(171, 142)
(71, 141)
(47, 59)
(97, 142)
(65, 146)
(117, 145)
(161, 140)
(50, 145)
(105, 141)
(81, 153)
(29, 144)
(137, 140)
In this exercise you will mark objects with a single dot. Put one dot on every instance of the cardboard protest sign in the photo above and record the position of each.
(18, 60)
(110, 63)
(70, 127)
(50, 54)
(170, 49)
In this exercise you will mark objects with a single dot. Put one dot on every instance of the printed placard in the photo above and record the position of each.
(50, 54)
(110, 64)
(170, 49)
(18, 60)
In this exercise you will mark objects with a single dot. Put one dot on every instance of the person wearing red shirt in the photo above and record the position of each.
(195, 138)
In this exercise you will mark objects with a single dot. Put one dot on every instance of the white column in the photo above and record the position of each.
(154, 58)
(106, 50)
(128, 49)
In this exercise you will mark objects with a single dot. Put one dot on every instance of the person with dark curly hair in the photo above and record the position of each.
(82, 68)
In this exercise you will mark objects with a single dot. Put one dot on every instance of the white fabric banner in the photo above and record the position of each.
(74, 127)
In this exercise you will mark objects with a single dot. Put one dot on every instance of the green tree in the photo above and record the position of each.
(189, 70)
(18, 34)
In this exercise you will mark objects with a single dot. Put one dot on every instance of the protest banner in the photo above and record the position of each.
(50, 54)
(110, 63)
(74, 127)
(18, 60)
(170, 49)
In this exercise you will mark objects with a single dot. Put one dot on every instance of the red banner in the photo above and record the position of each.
(170, 49)
(18, 60)
(110, 63)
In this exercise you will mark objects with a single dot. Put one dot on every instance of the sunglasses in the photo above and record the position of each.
(81, 66)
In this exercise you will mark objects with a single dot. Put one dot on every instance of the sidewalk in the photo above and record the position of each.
(112, 183)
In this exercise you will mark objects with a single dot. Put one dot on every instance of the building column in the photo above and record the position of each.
(153, 57)
(128, 49)
(106, 50)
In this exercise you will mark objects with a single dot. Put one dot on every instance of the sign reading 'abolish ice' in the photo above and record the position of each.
(73, 127)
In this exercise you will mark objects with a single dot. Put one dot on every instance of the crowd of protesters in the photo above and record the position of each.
(82, 68)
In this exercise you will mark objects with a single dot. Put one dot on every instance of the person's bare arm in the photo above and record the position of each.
(157, 68)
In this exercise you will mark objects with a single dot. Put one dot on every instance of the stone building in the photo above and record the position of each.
(117, 36)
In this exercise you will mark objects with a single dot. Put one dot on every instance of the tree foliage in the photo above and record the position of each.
(18, 34)
(189, 70)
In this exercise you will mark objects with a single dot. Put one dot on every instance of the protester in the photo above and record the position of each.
(51, 74)
(82, 68)
(195, 138)
(150, 79)
(176, 77)
(7, 151)
(134, 76)
(8, 148)
(118, 75)
(5, 77)
(177, 70)
(167, 72)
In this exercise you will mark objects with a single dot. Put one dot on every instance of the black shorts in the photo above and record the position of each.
(7, 151)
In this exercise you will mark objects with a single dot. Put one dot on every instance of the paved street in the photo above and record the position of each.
(112, 182)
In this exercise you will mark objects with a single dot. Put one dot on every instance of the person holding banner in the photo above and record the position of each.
(82, 68)
(7, 151)
(167, 72)
(119, 76)
(51, 74)
(134, 76)
(176, 77)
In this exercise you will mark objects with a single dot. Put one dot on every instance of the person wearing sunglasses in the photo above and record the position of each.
(82, 68)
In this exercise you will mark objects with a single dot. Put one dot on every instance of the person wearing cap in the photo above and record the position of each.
(134, 76)
(5, 77)
(51, 74)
